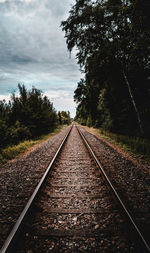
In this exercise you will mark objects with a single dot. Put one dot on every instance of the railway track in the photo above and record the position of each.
(73, 209)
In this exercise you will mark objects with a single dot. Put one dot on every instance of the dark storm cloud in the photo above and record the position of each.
(31, 29)
(33, 49)
(22, 60)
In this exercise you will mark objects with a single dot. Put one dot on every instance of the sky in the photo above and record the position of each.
(33, 50)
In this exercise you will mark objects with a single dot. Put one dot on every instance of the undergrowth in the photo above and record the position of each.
(134, 145)
(12, 152)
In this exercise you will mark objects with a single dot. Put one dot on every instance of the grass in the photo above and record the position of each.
(12, 152)
(136, 146)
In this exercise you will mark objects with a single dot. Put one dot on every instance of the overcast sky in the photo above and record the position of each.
(33, 50)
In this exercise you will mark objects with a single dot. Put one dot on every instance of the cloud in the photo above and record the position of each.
(62, 100)
(33, 49)
(5, 97)
(33, 32)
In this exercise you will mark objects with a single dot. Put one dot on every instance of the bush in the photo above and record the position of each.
(89, 121)
(133, 144)
(4, 134)
(18, 133)
(28, 115)
(12, 151)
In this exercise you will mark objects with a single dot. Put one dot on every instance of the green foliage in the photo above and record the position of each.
(33, 110)
(135, 145)
(103, 108)
(89, 121)
(26, 116)
(4, 133)
(64, 117)
(59, 118)
(19, 132)
(112, 41)
(13, 151)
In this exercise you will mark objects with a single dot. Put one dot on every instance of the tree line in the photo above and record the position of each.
(112, 39)
(27, 116)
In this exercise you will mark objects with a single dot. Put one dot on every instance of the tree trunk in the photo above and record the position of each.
(133, 102)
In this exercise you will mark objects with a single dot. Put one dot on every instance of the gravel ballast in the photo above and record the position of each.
(18, 179)
(75, 212)
(131, 178)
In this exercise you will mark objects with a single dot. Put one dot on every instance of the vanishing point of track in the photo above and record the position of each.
(75, 208)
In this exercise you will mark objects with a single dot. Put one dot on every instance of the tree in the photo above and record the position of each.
(28, 115)
(4, 133)
(33, 110)
(59, 118)
(65, 117)
(109, 34)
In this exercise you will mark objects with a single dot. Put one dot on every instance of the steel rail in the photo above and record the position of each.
(8, 245)
(145, 244)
